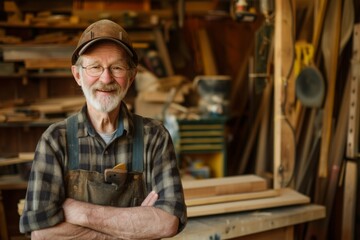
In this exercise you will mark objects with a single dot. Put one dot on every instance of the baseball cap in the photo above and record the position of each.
(104, 30)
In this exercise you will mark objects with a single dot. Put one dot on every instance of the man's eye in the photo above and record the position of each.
(117, 68)
(95, 67)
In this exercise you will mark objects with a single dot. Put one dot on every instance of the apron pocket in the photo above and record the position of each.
(102, 193)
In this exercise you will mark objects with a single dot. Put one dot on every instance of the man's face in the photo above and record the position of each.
(104, 76)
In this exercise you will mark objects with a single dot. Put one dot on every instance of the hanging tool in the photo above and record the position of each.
(310, 84)
(241, 12)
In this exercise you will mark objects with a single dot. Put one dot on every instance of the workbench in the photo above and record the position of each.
(266, 223)
(12, 189)
(272, 223)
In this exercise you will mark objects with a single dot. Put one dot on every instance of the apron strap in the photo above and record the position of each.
(73, 144)
(138, 145)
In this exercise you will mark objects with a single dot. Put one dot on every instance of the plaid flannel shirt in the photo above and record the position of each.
(46, 186)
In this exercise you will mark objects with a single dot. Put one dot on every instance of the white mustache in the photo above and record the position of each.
(106, 87)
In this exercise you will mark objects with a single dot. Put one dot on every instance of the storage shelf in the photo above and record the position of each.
(37, 75)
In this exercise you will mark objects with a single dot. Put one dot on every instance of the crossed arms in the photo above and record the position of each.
(89, 221)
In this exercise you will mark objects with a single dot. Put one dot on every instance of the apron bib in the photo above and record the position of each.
(90, 186)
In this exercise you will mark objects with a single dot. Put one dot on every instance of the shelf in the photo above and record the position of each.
(35, 123)
(68, 26)
(12, 182)
(38, 75)
(53, 26)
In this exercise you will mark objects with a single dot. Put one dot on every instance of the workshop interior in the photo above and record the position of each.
(261, 99)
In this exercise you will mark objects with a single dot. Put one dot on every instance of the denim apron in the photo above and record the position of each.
(91, 187)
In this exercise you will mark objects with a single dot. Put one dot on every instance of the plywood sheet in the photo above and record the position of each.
(222, 186)
(286, 197)
(231, 197)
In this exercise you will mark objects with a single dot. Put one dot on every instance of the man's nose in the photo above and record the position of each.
(106, 76)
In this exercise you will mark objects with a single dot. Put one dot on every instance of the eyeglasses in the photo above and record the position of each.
(97, 70)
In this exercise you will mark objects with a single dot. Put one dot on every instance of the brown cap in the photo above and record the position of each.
(104, 30)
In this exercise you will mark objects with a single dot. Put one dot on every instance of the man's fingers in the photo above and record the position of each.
(150, 199)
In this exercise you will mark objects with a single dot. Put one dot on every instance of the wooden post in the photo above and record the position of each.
(284, 56)
(3, 226)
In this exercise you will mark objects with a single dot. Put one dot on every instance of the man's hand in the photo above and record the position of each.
(143, 222)
(68, 231)
(69, 203)
(150, 200)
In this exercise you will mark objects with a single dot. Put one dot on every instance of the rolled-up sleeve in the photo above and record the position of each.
(166, 180)
(45, 192)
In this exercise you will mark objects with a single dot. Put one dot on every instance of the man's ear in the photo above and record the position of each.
(132, 78)
(76, 74)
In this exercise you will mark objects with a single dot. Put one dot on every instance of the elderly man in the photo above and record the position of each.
(104, 173)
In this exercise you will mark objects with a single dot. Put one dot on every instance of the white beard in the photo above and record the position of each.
(104, 104)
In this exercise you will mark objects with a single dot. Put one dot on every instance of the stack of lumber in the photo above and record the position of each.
(22, 157)
(42, 109)
(234, 194)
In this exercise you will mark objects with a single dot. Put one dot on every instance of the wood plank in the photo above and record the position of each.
(283, 59)
(44, 51)
(46, 64)
(232, 225)
(352, 150)
(330, 46)
(285, 233)
(208, 60)
(26, 155)
(12, 182)
(231, 197)
(287, 197)
(349, 204)
(12, 161)
(221, 186)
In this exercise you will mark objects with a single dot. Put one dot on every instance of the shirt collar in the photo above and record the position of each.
(88, 129)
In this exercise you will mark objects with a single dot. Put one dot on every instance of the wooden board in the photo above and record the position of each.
(48, 51)
(350, 198)
(235, 225)
(330, 49)
(353, 135)
(46, 64)
(221, 186)
(287, 197)
(283, 59)
(231, 197)
(208, 59)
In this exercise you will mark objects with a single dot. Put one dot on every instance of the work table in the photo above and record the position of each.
(272, 223)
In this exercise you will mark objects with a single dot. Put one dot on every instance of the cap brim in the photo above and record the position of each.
(82, 49)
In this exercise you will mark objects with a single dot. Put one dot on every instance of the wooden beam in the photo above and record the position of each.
(352, 150)
(222, 186)
(349, 203)
(208, 59)
(284, 55)
(245, 225)
(231, 197)
(286, 197)
(330, 44)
